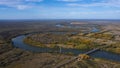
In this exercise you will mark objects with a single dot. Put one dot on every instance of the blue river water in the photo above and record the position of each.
(18, 43)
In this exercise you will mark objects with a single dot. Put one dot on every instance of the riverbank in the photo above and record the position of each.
(49, 60)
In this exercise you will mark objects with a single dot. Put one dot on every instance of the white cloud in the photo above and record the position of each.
(22, 7)
(103, 3)
(69, 0)
(34, 0)
(94, 12)
(18, 4)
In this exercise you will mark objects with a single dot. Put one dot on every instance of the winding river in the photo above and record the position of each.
(18, 43)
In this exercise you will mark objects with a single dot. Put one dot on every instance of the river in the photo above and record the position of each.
(18, 43)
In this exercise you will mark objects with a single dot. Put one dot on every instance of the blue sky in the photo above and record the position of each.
(59, 9)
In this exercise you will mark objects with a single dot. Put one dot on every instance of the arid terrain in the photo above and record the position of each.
(12, 57)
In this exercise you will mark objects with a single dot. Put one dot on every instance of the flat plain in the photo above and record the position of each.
(77, 35)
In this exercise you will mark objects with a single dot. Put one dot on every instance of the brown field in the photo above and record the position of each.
(11, 57)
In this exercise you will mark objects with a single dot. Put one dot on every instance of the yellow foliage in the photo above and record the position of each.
(117, 50)
(86, 41)
(84, 56)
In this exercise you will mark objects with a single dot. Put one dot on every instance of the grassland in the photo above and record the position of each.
(11, 57)
(82, 41)
(47, 60)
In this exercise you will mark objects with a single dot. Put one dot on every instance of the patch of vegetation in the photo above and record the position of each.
(76, 41)
(46, 39)
(63, 40)
(115, 48)
(84, 56)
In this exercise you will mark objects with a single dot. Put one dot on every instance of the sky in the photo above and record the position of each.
(59, 9)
